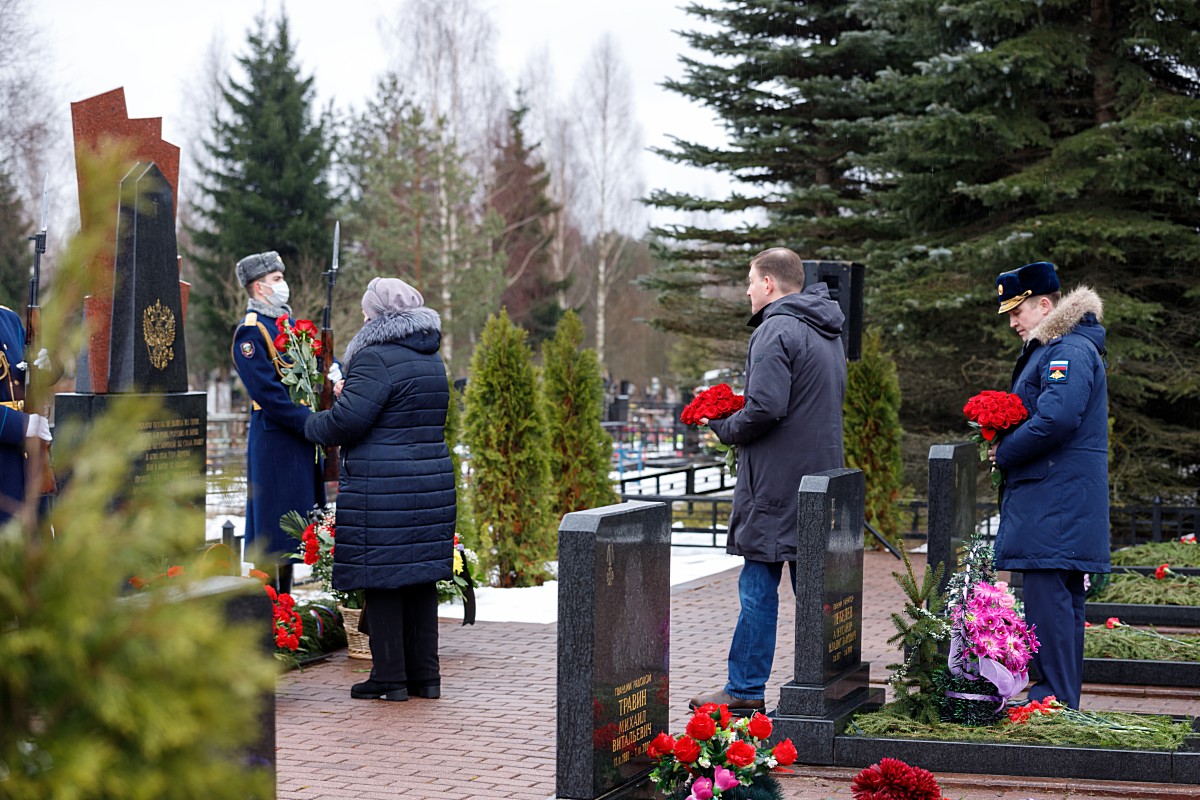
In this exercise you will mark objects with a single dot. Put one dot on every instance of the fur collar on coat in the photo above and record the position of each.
(422, 324)
(1069, 312)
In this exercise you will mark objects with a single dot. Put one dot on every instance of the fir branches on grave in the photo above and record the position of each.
(921, 631)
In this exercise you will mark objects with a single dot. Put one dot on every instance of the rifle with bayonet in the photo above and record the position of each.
(36, 449)
(332, 455)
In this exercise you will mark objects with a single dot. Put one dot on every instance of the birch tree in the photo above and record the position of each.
(609, 150)
(446, 51)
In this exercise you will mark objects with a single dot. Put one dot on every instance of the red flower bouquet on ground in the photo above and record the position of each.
(892, 779)
(992, 414)
(717, 753)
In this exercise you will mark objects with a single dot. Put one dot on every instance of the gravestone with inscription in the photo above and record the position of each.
(614, 645)
(830, 679)
(952, 472)
(135, 326)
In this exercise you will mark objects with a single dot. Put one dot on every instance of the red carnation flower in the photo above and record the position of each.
(892, 779)
(760, 726)
(281, 341)
(1162, 571)
(687, 750)
(306, 326)
(785, 753)
(662, 745)
(701, 727)
(740, 754)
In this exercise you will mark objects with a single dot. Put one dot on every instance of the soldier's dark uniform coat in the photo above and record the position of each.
(281, 469)
(13, 422)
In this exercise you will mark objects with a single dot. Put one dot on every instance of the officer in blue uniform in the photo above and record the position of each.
(1054, 513)
(282, 471)
(15, 424)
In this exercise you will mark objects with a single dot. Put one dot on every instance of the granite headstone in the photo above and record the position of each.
(614, 645)
(146, 351)
(952, 472)
(830, 680)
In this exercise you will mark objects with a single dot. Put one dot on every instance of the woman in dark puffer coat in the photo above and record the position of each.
(396, 503)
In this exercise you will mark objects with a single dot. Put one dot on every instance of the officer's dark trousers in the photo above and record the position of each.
(1054, 606)
(404, 634)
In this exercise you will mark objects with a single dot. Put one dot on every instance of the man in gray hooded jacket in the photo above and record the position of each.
(791, 426)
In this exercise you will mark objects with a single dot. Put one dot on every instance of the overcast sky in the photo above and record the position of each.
(155, 48)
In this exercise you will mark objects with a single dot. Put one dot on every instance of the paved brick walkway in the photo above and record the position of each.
(492, 733)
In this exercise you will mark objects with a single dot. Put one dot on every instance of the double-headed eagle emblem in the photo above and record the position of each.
(158, 328)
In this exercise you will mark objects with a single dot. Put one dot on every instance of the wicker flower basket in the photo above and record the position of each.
(358, 643)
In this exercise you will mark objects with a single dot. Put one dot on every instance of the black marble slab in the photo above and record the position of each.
(146, 342)
(986, 758)
(178, 447)
(952, 479)
(1142, 673)
(614, 638)
(830, 680)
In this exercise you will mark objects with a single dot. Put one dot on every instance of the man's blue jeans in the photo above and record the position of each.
(753, 649)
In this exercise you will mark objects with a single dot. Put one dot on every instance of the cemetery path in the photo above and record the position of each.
(492, 735)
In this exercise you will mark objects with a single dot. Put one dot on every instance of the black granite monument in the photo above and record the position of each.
(146, 354)
(614, 646)
(830, 679)
(953, 469)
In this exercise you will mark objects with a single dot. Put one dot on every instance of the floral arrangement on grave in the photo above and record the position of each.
(1165, 587)
(285, 622)
(990, 643)
(992, 414)
(300, 368)
(316, 536)
(461, 586)
(1115, 639)
(892, 779)
(716, 402)
(719, 755)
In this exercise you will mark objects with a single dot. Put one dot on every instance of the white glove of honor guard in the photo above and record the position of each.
(43, 359)
(335, 372)
(39, 427)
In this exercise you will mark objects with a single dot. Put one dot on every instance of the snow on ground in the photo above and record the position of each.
(536, 604)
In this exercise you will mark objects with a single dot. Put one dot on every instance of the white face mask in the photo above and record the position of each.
(281, 294)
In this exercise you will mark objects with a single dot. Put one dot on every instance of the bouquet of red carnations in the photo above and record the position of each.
(992, 414)
(717, 753)
(716, 402)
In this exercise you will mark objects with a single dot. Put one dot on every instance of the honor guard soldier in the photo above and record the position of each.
(282, 473)
(15, 425)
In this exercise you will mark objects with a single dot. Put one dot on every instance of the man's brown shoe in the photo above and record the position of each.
(722, 698)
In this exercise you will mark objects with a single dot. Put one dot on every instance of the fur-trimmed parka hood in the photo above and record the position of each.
(1081, 311)
(419, 329)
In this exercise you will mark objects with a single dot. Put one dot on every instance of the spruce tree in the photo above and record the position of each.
(1062, 132)
(788, 83)
(519, 197)
(579, 448)
(510, 477)
(267, 189)
(872, 432)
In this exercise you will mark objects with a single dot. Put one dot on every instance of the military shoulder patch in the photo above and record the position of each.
(1057, 371)
(248, 349)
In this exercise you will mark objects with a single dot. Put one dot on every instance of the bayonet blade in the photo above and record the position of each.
(45, 199)
(337, 238)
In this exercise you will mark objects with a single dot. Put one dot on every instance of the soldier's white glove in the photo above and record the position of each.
(43, 359)
(335, 373)
(39, 427)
